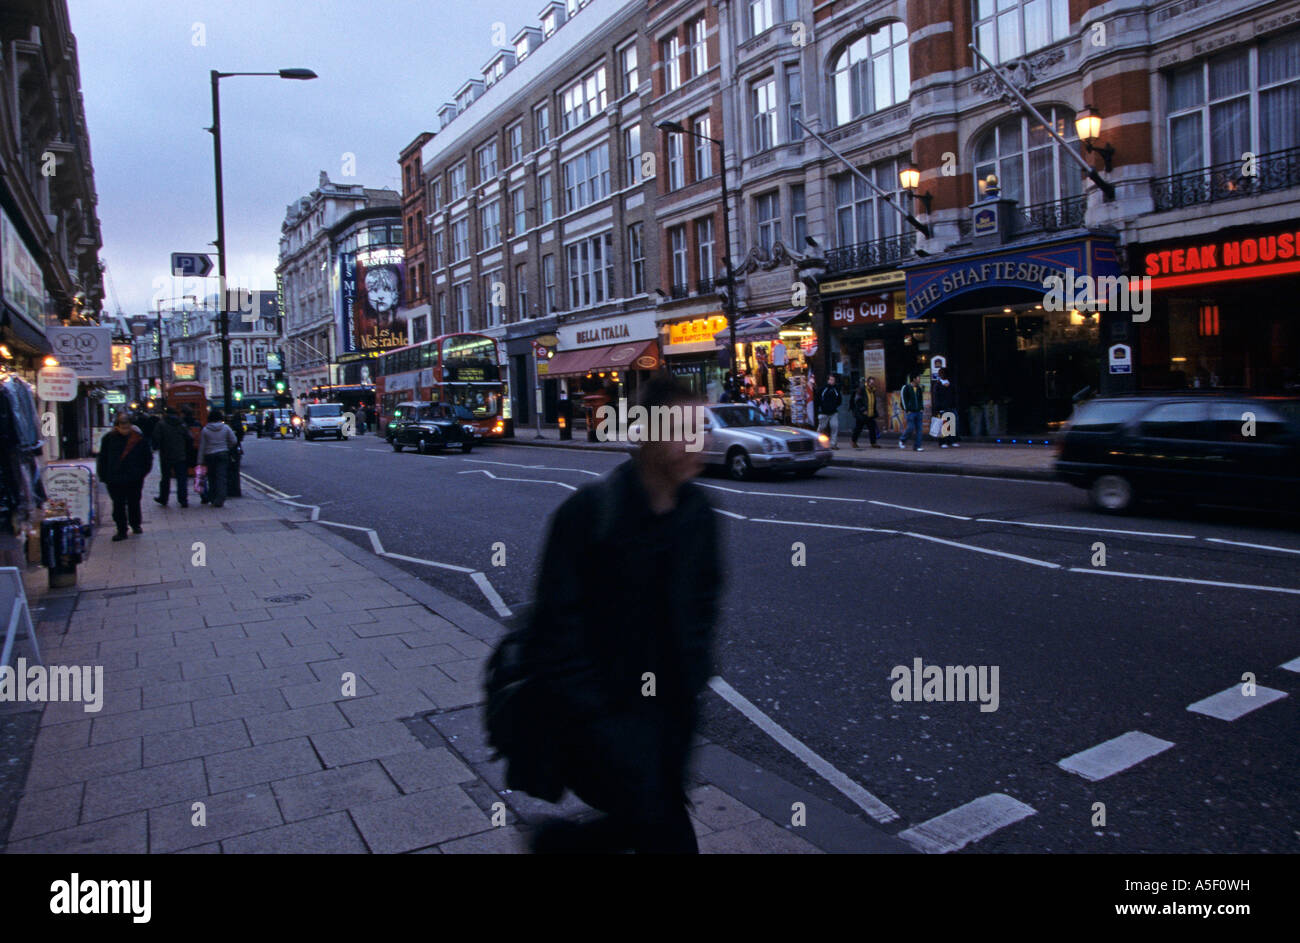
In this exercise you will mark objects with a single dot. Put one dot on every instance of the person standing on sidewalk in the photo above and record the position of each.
(913, 405)
(621, 683)
(169, 441)
(124, 461)
(864, 405)
(828, 407)
(215, 445)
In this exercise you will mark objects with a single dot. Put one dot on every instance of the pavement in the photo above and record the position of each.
(1010, 458)
(269, 686)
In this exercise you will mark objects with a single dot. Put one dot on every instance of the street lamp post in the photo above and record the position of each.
(676, 128)
(222, 300)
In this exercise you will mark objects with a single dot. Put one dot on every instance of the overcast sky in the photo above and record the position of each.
(384, 65)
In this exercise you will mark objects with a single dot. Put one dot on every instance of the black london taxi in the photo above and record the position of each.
(1212, 448)
(428, 427)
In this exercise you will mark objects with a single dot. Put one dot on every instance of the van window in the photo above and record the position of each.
(326, 410)
(1245, 421)
(1103, 415)
(1175, 421)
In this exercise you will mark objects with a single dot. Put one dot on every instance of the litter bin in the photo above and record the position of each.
(566, 419)
(232, 473)
(63, 546)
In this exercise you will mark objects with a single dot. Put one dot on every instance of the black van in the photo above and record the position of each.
(1209, 448)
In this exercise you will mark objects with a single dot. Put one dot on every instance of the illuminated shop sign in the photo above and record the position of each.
(696, 330)
(1221, 258)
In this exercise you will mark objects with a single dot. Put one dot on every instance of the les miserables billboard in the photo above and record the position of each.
(372, 293)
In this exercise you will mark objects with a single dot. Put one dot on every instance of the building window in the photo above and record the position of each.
(591, 271)
(585, 99)
(461, 295)
(546, 197)
(460, 240)
(676, 163)
(704, 250)
(627, 64)
(760, 16)
(678, 260)
(632, 154)
(586, 178)
(457, 178)
(443, 326)
(490, 225)
(636, 256)
(873, 73)
(439, 249)
(767, 214)
(762, 100)
(1030, 166)
(515, 135)
(670, 51)
(487, 162)
(703, 147)
(1007, 29)
(237, 355)
(435, 196)
(419, 330)
(793, 103)
(798, 217)
(521, 290)
(860, 214)
(548, 284)
(697, 32)
(542, 124)
(548, 24)
(1216, 111)
(518, 218)
(494, 300)
(259, 355)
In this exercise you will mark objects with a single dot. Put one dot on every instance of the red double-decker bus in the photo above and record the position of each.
(460, 369)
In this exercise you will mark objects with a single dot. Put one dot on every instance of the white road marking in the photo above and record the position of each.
(385, 451)
(865, 530)
(492, 595)
(368, 531)
(904, 507)
(739, 517)
(780, 494)
(899, 471)
(580, 471)
(434, 563)
(264, 486)
(1292, 665)
(1114, 756)
(535, 481)
(1238, 543)
(1098, 530)
(859, 796)
(1187, 579)
(972, 547)
(1232, 703)
(968, 823)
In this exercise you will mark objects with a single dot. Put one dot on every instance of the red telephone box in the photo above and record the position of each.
(193, 395)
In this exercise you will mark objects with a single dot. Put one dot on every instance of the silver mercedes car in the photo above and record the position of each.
(742, 440)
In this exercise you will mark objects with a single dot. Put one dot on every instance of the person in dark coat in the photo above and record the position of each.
(172, 442)
(215, 445)
(828, 407)
(622, 642)
(124, 461)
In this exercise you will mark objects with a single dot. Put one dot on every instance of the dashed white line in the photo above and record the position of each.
(1187, 579)
(1239, 543)
(904, 507)
(859, 796)
(1234, 702)
(1098, 530)
(968, 823)
(1114, 756)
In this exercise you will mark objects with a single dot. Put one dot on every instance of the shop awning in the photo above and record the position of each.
(639, 355)
(760, 327)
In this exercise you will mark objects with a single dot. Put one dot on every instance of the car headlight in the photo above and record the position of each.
(824, 439)
(769, 445)
(469, 430)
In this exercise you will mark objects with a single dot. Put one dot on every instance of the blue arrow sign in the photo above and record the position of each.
(191, 263)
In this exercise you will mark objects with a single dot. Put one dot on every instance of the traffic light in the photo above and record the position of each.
(279, 386)
(239, 394)
(153, 391)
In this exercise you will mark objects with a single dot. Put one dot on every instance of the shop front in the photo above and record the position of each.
(1016, 355)
(605, 357)
(530, 346)
(1222, 312)
(692, 354)
(773, 356)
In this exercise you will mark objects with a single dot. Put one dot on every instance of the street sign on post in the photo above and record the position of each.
(191, 263)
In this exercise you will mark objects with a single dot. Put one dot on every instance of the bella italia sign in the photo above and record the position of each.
(605, 331)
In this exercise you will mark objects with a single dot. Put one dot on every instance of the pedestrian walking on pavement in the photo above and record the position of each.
(170, 440)
(124, 461)
(943, 399)
(828, 405)
(621, 683)
(215, 446)
(864, 405)
(913, 405)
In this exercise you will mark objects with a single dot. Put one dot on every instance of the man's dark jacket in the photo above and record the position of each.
(828, 400)
(169, 440)
(123, 458)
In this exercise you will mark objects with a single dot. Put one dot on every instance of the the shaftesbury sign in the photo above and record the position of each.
(934, 286)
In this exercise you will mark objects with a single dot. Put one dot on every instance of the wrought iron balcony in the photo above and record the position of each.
(1051, 217)
(865, 255)
(679, 291)
(1277, 170)
(705, 286)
